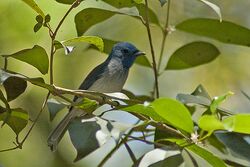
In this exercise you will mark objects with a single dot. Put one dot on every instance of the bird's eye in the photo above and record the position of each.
(125, 50)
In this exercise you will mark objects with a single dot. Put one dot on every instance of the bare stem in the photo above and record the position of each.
(164, 33)
(19, 145)
(53, 36)
(152, 50)
(5, 63)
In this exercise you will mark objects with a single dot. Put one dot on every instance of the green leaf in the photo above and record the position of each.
(145, 109)
(92, 16)
(218, 100)
(163, 2)
(47, 18)
(215, 142)
(35, 56)
(210, 123)
(191, 55)
(175, 160)
(138, 1)
(174, 112)
(69, 2)
(14, 87)
(54, 107)
(206, 155)
(94, 40)
(37, 27)
(214, 7)
(238, 123)
(87, 105)
(224, 31)
(17, 120)
(39, 19)
(143, 61)
(34, 6)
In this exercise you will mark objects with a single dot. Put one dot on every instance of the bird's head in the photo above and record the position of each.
(126, 53)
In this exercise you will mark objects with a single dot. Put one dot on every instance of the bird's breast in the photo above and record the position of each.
(112, 80)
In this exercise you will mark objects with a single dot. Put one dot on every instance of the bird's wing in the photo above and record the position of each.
(94, 75)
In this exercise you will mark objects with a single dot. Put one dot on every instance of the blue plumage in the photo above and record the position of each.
(108, 77)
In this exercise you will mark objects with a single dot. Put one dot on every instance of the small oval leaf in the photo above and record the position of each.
(35, 56)
(14, 87)
(191, 55)
(224, 31)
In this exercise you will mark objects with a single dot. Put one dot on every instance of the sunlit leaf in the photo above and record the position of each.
(17, 120)
(35, 56)
(191, 55)
(54, 107)
(214, 7)
(224, 31)
(34, 6)
(94, 40)
(218, 100)
(238, 123)
(210, 123)
(206, 155)
(174, 112)
(145, 109)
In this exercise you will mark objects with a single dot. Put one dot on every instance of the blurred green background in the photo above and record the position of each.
(228, 72)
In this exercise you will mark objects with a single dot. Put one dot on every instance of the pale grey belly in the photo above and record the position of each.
(110, 83)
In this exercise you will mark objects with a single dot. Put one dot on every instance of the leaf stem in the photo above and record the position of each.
(152, 49)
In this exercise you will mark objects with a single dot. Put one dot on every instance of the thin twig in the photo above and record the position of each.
(74, 5)
(152, 50)
(35, 121)
(18, 144)
(106, 158)
(130, 152)
(53, 36)
(165, 33)
(147, 141)
(5, 63)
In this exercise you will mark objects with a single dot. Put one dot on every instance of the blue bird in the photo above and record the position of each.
(108, 77)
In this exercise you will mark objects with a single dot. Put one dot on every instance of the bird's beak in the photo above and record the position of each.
(139, 53)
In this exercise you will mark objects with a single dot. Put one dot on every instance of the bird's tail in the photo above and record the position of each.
(57, 134)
